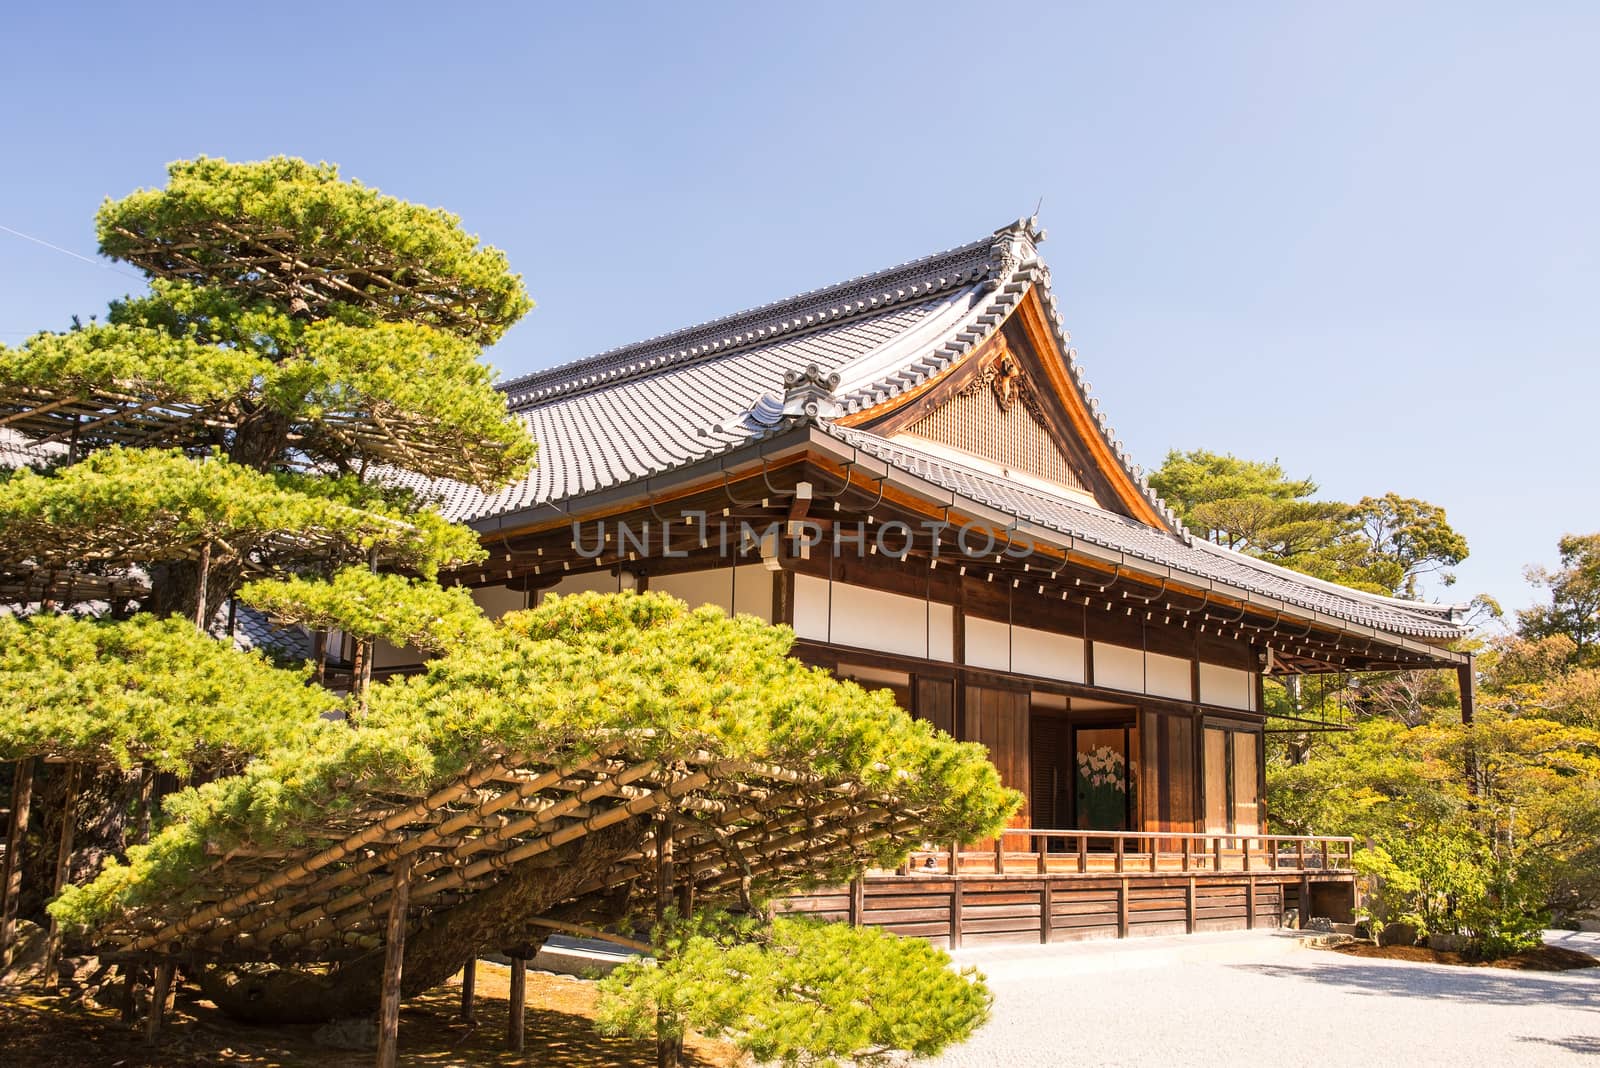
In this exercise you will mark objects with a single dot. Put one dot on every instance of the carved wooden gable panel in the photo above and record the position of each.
(997, 417)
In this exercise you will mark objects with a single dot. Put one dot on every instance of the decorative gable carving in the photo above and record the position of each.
(996, 416)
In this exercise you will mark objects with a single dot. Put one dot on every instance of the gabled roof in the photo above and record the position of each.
(674, 400)
(691, 397)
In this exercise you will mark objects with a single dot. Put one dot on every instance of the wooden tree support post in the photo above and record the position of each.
(857, 901)
(69, 820)
(1122, 908)
(1188, 907)
(1250, 904)
(469, 983)
(519, 1003)
(669, 1047)
(1047, 908)
(394, 954)
(16, 832)
(158, 1002)
(955, 913)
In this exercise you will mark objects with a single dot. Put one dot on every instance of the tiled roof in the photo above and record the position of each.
(1198, 558)
(17, 451)
(661, 404)
(688, 397)
(253, 629)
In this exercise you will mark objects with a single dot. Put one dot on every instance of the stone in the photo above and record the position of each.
(352, 1032)
(1397, 934)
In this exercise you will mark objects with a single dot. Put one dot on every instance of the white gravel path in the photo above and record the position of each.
(1260, 998)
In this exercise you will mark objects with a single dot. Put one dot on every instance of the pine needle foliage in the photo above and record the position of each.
(292, 231)
(557, 683)
(356, 601)
(139, 506)
(148, 691)
(795, 992)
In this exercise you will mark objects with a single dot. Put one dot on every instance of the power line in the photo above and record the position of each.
(67, 251)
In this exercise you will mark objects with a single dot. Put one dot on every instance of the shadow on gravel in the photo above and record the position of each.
(1573, 990)
(1585, 1044)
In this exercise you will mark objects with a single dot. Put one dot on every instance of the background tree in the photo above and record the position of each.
(1381, 544)
(1574, 608)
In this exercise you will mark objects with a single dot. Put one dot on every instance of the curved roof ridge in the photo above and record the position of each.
(829, 305)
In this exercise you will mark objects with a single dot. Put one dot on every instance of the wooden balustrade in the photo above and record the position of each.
(1042, 851)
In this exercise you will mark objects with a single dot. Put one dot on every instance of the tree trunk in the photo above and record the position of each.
(175, 587)
(492, 921)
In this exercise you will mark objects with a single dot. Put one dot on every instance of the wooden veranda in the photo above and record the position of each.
(1046, 886)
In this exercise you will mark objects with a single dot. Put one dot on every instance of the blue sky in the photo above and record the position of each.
(1360, 238)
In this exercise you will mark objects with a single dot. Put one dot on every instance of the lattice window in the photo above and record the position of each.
(974, 422)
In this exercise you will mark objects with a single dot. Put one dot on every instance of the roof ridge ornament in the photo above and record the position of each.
(808, 395)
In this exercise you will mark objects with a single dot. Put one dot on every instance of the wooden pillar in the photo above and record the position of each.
(1305, 901)
(69, 820)
(1047, 906)
(1188, 907)
(130, 989)
(469, 984)
(1467, 680)
(158, 1001)
(394, 953)
(1250, 904)
(519, 1003)
(955, 913)
(1122, 908)
(669, 1047)
(857, 901)
(16, 832)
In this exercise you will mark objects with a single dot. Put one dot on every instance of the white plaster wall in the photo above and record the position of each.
(496, 601)
(811, 607)
(745, 590)
(1228, 687)
(752, 591)
(988, 644)
(385, 655)
(872, 619)
(698, 587)
(596, 581)
(1047, 654)
(1168, 676)
(1119, 667)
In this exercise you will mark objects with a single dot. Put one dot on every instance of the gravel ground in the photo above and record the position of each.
(1260, 998)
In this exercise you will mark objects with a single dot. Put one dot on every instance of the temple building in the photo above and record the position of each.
(908, 469)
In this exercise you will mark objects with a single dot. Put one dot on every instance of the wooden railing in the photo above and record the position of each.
(1029, 850)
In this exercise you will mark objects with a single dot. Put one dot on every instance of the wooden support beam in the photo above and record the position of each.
(16, 832)
(69, 820)
(394, 953)
(519, 1004)
(1122, 907)
(1046, 910)
(1467, 680)
(1250, 904)
(469, 984)
(858, 901)
(158, 1002)
(955, 913)
(1188, 907)
(1305, 901)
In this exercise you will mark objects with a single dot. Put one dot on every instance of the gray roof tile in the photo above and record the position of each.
(686, 397)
